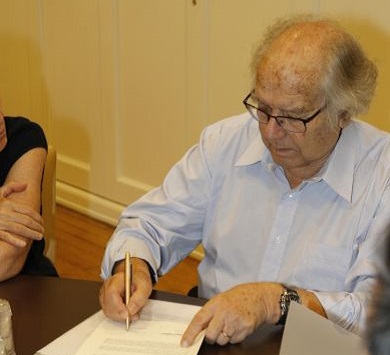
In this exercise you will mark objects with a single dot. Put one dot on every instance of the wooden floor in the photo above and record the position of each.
(80, 246)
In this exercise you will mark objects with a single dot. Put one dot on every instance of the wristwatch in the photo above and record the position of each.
(286, 297)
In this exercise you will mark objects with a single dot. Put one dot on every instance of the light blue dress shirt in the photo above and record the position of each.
(229, 195)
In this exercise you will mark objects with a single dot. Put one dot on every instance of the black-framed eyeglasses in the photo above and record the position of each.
(290, 124)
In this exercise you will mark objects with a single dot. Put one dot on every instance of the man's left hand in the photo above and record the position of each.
(234, 314)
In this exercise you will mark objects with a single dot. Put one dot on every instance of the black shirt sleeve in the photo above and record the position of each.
(22, 136)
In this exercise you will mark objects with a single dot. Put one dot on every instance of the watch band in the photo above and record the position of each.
(286, 297)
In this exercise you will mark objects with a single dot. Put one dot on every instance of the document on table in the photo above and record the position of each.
(307, 333)
(158, 330)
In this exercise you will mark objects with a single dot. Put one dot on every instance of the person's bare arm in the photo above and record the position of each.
(20, 212)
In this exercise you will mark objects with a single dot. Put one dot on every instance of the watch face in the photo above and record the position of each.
(286, 297)
(294, 296)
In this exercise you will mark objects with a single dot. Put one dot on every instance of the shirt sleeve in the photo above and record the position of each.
(349, 309)
(23, 135)
(165, 225)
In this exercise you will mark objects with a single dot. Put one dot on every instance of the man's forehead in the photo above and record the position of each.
(290, 77)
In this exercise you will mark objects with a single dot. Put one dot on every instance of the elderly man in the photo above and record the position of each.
(289, 200)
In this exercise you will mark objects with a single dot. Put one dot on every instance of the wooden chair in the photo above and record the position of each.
(49, 202)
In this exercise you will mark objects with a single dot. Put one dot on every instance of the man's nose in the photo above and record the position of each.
(273, 129)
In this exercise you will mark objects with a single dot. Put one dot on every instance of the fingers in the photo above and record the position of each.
(226, 318)
(141, 287)
(223, 338)
(200, 322)
(111, 298)
(11, 239)
(21, 220)
(112, 293)
(24, 214)
(224, 327)
(21, 230)
(18, 221)
(217, 330)
(138, 300)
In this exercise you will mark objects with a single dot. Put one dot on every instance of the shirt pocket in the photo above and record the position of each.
(323, 267)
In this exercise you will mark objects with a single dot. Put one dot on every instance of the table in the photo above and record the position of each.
(46, 307)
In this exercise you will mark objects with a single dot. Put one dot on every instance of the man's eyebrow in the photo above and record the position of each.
(297, 111)
(260, 102)
(293, 112)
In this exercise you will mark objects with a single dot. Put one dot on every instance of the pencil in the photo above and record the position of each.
(127, 285)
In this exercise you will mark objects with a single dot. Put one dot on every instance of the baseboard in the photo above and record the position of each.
(97, 207)
(87, 203)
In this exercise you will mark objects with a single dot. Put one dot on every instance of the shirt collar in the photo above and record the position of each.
(337, 172)
(254, 153)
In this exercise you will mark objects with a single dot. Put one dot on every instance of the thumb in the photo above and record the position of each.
(12, 187)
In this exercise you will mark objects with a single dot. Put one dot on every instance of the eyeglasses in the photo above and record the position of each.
(290, 124)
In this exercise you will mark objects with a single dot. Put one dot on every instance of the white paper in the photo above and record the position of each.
(307, 333)
(158, 330)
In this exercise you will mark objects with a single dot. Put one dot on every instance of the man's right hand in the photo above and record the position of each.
(18, 221)
(113, 290)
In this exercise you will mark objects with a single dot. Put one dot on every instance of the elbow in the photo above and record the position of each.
(7, 273)
(11, 266)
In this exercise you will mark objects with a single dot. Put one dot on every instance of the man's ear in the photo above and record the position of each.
(344, 117)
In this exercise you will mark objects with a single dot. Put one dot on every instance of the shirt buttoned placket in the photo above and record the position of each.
(279, 235)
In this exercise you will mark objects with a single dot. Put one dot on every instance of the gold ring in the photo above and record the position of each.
(226, 335)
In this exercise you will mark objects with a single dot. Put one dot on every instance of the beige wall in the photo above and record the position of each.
(124, 87)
